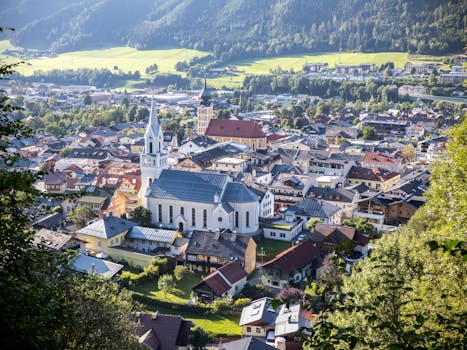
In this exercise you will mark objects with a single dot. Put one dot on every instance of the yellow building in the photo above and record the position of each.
(375, 178)
(104, 233)
(247, 132)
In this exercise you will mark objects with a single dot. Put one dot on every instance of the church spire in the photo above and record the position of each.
(204, 95)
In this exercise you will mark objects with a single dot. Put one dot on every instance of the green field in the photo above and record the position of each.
(126, 59)
(270, 248)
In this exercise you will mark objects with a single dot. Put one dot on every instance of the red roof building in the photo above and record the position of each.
(247, 132)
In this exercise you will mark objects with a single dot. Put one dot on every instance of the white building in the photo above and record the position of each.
(192, 200)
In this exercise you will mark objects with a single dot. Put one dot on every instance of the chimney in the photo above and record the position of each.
(233, 236)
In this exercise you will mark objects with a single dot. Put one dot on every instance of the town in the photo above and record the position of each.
(201, 209)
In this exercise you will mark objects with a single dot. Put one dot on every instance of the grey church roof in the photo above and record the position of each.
(239, 193)
(188, 186)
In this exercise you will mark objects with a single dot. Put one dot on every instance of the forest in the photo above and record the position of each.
(238, 29)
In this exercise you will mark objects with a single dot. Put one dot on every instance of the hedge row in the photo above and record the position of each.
(154, 303)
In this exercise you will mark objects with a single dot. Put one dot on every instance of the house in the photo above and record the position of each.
(52, 221)
(107, 232)
(312, 208)
(163, 332)
(207, 251)
(266, 201)
(328, 237)
(257, 318)
(196, 144)
(292, 265)
(247, 132)
(55, 241)
(96, 198)
(247, 343)
(90, 156)
(375, 178)
(337, 135)
(88, 264)
(126, 197)
(343, 198)
(285, 229)
(383, 161)
(148, 239)
(385, 211)
(228, 280)
(55, 182)
(290, 319)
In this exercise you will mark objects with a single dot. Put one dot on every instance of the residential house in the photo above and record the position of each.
(207, 251)
(266, 201)
(55, 241)
(103, 233)
(88, 264)
(336, 135)
(246, 343)
(196, 144)
(52, 221)
(55, 182)
(328, 237)
(285, 229)
(343, 198)
(385, 211)
(126, 198)
(292, 265)
(163, 332)
(375, 178)
(383, 161)
(155, 240)
(226, 281)
(90, 156)
(247, 132)
(290, 319)
(312, 208)
(257, 318)
(96, 198)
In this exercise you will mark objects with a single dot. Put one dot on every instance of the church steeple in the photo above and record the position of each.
(204, 95)
(154, 156)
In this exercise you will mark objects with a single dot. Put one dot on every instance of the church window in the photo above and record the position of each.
(182, 211)
(160, 213)
(193, 217)
(150, 147)
(247, 219)
(205, 218)
(150, 182)
(171, 214)
(236, 219)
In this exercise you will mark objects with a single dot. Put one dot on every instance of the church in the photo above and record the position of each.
(186, 200)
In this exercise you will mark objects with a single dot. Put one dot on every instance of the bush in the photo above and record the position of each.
(254, 292)
(240, 303)
(181, 272)
(165, 264)
(220, 305)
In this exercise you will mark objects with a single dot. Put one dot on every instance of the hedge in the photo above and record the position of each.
(153, 302)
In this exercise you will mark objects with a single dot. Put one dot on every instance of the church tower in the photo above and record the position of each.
(205, 110)
(154, 157)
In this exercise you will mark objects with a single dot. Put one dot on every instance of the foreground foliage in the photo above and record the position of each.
(410, 294)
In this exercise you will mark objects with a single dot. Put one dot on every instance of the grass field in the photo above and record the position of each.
(127, 59)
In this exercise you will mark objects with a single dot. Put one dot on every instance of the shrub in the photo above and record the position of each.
(240, 303)
(165, 264)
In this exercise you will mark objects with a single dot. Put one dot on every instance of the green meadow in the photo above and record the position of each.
(126, 59)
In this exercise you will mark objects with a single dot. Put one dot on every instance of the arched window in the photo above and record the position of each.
(182, 211)
(171, 214)
(236, 219)
(247, 219)
(149, 182)
(193, 217)
(205, 218)
(160, 213)
(150, 147)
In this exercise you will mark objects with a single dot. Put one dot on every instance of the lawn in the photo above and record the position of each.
(271, 247)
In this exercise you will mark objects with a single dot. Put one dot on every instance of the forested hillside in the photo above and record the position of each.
(234, 29)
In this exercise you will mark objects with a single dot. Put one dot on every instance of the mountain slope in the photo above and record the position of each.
(234, 29)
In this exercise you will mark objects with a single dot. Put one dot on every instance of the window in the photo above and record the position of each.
(236, 219)
(150, 147)
(205, 218)
(248, 329)
(171, 214)
(282, 235)
(258, 330)
(182, 211)
(247, 219)
(273, 234)
(193, 217)
(160, 213)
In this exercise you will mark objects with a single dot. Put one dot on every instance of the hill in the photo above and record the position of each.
(238, 29)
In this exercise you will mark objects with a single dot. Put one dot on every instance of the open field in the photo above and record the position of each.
(270, 247)
(125, 58)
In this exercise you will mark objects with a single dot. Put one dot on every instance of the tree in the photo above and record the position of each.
(369, 133)
(199, 338)
(44, 305)
(290, 295)
(311, 224)
(181, 272)
(87, 99)
(166, 284)
(81, 215)
(362, 225)
(142, 216)
(409, 151)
